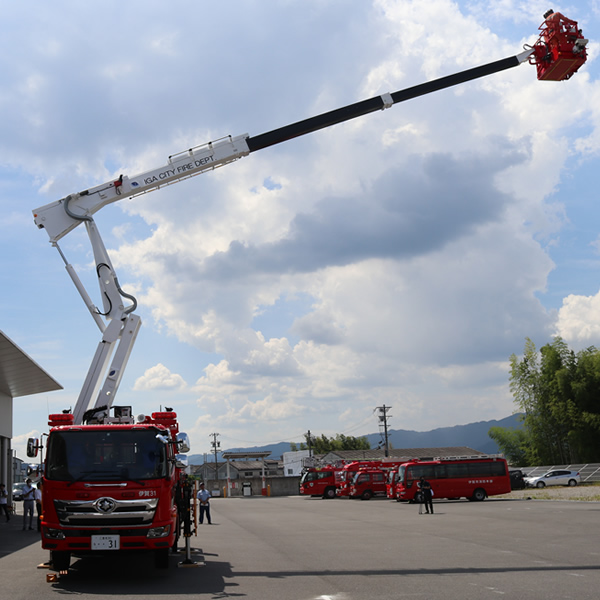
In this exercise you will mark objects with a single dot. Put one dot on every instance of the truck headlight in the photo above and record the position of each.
(159, 532)
(54, 534)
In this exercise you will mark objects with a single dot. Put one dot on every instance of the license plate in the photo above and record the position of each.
(106, 542)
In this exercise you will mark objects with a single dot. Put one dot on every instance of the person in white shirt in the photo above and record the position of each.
(28, 502)
(37, 496)
(204, 499)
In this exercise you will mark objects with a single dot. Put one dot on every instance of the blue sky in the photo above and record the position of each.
(397, 259)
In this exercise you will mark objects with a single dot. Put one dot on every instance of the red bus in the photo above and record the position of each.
(473, 478)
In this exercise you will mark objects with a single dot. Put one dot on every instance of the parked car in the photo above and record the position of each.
(557, 477)
(517, 479)
(17, 491)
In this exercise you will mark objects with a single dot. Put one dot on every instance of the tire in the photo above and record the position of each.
(572, 483)
(366, 495)
(540, 485)
(60, 559)
(479, 495)
(161, 558)
(329, 493)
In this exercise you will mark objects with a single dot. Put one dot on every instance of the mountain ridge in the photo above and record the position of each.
(473, 435)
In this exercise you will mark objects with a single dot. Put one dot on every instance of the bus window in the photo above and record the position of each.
(418, 471)
(487, 469)
(440, 472)
(458, 470)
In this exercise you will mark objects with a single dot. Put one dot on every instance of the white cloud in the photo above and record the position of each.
(579, 320)
(159, 378)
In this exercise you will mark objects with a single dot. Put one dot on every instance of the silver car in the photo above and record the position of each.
(557, 477)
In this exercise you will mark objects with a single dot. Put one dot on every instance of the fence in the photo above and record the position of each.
(590, 473)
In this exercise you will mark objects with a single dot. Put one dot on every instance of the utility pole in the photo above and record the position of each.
(383, 417)
(309, 441)
(215, 446)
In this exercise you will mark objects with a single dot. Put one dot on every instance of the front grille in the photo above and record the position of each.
(105, 512)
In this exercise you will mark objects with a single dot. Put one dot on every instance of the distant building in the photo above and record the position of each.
(293, 462)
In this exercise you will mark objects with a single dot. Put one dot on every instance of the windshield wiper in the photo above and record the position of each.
(83, 476)
(104, 475)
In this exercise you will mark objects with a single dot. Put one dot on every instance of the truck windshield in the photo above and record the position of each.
(101, 455)
(401, 473)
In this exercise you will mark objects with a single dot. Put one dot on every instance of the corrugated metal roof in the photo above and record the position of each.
(249, 454)
(19, 374)
(399, 453)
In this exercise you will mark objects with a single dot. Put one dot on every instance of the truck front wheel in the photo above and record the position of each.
(61, 560)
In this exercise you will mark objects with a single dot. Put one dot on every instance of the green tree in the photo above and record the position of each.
(323, 444)
(559, 393)
(513, 443)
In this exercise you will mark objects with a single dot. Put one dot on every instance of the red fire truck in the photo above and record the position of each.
(107, 504)
(474, 478)
(368, 482)
(345, 476)
(372, 480)
(113, 486)
(319, 481)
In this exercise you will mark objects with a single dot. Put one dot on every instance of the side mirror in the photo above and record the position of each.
(181, 461)
(183, 442)
(33, 445)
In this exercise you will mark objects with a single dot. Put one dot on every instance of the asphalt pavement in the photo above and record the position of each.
(296, 548)
(12, 536)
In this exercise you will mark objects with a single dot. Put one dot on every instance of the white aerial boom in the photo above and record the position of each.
(117, 321)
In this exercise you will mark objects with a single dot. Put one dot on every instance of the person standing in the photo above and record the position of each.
(37, 495)
(4, 502)
(426, 494)
(204, 499)
(28, 502)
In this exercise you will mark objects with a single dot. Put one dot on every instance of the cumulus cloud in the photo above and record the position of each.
(579, 320)
(159, 378)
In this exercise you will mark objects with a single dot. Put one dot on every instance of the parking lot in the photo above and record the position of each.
(300, 548)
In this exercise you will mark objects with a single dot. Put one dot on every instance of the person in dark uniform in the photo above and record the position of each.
(426, 494)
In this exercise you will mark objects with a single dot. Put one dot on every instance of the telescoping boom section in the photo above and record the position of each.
(559, 52)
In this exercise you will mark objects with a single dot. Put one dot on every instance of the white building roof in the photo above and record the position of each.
(20, 375)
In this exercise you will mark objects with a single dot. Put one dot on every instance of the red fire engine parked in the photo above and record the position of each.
(372, 480)
(115, 486)
(345, 476)
(367, 483)
(319, 481)
(474, 478)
